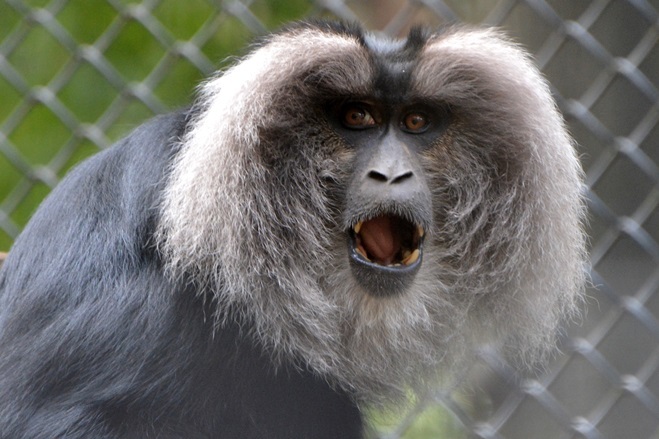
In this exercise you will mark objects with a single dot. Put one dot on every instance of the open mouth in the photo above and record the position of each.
(387, 241)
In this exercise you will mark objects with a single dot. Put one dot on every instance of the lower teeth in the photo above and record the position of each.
(362, 252)
(408, 257)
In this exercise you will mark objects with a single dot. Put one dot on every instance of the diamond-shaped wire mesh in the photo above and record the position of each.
(76, 75)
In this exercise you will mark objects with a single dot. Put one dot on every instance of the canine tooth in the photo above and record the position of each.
(420, 231)
(412, 258)
(406, 254)
(362, 252)
(358, 226)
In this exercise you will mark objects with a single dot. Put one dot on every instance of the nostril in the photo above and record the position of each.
(402, 177)
(382, 178)
(377, 176)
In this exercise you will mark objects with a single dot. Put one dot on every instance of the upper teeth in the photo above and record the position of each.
(412, 258)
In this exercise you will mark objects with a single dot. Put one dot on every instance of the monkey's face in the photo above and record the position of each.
(388, 204)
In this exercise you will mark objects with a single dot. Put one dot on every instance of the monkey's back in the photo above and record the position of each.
(97, 342)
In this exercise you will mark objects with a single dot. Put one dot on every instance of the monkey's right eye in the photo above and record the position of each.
(354, 116)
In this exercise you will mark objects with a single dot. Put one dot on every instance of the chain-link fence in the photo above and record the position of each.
(75, 75)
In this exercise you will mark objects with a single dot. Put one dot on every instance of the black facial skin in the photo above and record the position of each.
(389, 187)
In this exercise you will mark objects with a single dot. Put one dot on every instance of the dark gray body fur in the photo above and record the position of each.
(96, 342)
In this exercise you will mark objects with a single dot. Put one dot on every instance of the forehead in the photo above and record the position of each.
(394, 62)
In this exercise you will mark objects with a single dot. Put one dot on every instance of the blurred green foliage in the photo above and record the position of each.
(432, 423)
(48, 45)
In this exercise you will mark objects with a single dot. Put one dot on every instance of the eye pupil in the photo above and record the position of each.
(355, 116)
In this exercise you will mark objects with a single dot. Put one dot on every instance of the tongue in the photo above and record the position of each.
(378, 239)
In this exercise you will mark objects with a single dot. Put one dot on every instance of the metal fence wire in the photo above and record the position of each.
(76, 75)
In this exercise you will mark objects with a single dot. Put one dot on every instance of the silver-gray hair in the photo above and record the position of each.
(253, 210)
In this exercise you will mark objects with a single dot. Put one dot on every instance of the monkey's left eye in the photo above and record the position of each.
(415, 122)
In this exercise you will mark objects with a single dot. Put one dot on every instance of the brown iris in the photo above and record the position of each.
(415, 122)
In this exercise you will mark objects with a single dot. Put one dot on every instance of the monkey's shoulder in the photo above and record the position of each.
(133, 165)
(102, 214)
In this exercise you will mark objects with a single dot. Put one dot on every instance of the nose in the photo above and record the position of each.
(390, 175)
(392, 163)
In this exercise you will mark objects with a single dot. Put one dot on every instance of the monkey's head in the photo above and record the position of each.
(374, 208)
